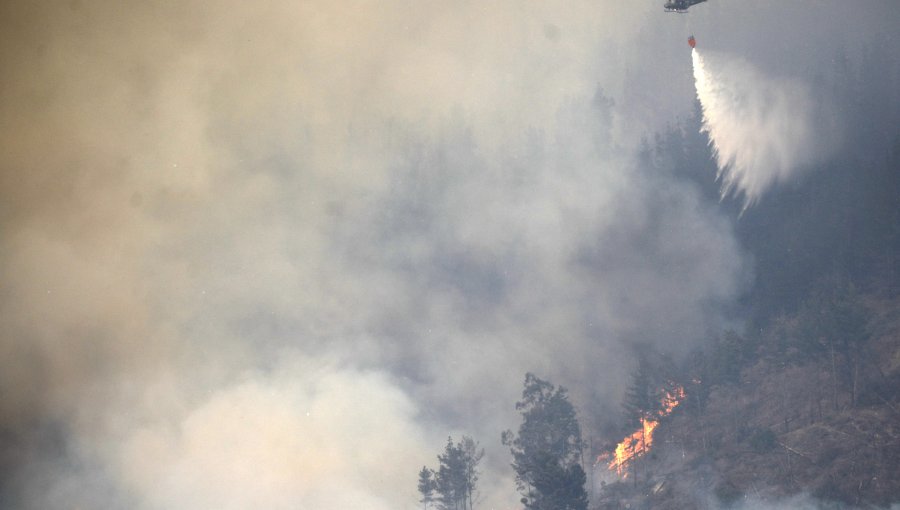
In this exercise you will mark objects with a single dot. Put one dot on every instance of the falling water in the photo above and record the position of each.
(761, 129)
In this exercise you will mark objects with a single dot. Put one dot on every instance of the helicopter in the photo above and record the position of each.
(680, 6)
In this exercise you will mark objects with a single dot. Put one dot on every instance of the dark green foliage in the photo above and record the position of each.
(472, 456)
(652, 380)
(832, 317)
(426, 486)
(450, 477)
(456, 477)
(641, 399)
(697, 381)
(558, 487)
(547, 449)
(831, 324)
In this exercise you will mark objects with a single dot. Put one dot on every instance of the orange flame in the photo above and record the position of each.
(639, 442)
(671, 400)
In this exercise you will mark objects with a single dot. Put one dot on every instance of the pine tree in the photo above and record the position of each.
(471, 457)
(456, 478)
(450, 478)
(426, 487)
(640, 397)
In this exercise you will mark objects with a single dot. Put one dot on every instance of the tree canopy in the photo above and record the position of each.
(547, 449)
(456, 477)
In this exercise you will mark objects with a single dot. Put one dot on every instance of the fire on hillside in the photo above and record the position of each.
(640, 441)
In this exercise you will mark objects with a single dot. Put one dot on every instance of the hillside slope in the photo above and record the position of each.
(799, 420)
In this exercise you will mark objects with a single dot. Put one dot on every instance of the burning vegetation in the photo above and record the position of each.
(807, 404)
(639, 442)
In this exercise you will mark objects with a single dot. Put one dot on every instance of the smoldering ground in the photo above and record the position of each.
(273, 254)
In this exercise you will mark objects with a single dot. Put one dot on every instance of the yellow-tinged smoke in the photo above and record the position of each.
(178, 184)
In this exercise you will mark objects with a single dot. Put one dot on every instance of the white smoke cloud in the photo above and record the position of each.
(764, 131)
(309, 433)
(305, 436)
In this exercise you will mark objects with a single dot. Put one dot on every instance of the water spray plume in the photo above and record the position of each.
(761, 129)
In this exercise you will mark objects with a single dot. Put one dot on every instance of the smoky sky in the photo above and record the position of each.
(272, 254)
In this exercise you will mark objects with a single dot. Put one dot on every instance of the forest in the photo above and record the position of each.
(801, 397)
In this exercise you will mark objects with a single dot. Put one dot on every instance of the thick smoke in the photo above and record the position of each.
(307, 434)
(218, 220)
(763, 131)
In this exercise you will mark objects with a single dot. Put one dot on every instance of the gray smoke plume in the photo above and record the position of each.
(272, 254)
